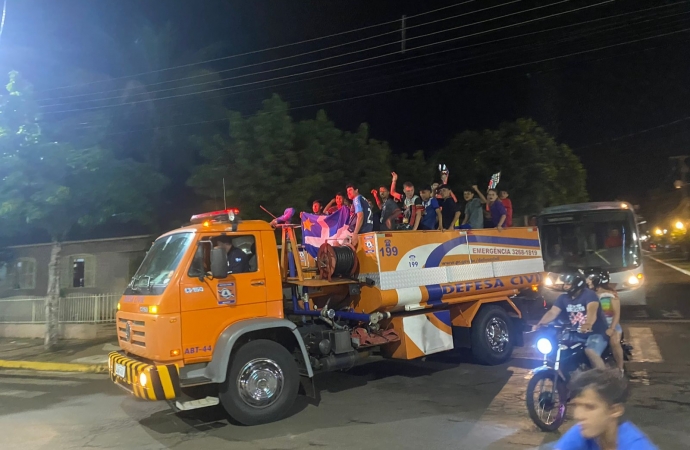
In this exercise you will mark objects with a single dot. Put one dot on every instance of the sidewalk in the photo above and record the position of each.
(70, 356)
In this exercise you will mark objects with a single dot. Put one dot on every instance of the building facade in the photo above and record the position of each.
(98, 266)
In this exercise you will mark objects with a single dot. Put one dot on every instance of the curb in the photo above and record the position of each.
(54, 367)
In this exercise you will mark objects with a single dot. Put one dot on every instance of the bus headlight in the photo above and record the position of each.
(635, 280)
(544, 346)
(548, 281)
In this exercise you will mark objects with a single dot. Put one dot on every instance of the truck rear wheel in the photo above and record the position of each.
(492, 339)
(262, 383)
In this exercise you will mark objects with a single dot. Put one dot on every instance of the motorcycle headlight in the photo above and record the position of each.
(544, 346)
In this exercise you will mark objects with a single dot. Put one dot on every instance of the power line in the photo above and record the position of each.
(477, 57)
(292, 66)
(262, 50)
(388, 91)
(624, 136)
(425, 55)
(275, 60)
(335, 66)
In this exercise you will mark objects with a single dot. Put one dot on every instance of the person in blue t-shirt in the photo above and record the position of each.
(599, 398)
(361, 219)
(431, 216)
(579, 307)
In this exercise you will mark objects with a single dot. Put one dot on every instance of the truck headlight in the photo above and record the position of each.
(544, 346)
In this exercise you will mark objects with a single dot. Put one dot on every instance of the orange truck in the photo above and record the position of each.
(194, 335)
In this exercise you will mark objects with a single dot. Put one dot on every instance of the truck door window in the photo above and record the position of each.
(243, 262)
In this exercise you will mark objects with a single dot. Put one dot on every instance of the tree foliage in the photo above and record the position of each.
(268, 159)
(53, 186)
(536, 170)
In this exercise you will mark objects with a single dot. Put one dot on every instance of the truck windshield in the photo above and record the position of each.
(591, 239)
(162, 259)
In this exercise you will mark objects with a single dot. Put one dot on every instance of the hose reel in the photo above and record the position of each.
(337, 261)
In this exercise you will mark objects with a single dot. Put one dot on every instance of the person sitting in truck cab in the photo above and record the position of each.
(238, 261)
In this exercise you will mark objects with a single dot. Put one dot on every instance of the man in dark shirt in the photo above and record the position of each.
(389, 209)
(449, 209)
(579, 306)
(238, 261)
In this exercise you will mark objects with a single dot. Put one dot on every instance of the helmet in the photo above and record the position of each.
(599, 277)
(576, 281)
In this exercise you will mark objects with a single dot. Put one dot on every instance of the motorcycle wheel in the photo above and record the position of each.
(546, 400)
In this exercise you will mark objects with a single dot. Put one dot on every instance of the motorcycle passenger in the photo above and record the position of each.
(579, 306)
(598, 280)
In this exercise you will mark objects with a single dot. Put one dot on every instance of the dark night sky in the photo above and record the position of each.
(584, 100)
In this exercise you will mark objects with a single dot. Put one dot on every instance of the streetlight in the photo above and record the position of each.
(658, 232)
(679, 225)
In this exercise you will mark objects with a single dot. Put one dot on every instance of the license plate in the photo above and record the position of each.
(120, 370)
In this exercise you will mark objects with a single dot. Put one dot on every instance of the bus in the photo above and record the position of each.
(601, 235)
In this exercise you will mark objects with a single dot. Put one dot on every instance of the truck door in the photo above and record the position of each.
(209, 305)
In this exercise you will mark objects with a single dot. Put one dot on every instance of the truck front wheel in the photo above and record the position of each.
(262, 383)
(492, 340)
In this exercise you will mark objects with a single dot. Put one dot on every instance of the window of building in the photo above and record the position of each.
(78, 271)
(25, 273)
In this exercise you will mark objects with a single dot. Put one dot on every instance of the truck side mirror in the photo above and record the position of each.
(219, 263)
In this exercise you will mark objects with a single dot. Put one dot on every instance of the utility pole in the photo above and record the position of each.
(402, 33)
(682, 161)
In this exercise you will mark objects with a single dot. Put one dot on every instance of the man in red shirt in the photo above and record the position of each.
(503, 195)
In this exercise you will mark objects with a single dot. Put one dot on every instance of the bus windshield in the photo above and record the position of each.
(159, 264)
(605, 239)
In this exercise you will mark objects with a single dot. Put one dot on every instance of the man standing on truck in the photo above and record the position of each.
(361, 218)
(449, 210)
(238, 261)
(389, 209)
(431, 217)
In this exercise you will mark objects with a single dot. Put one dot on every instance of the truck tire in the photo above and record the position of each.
(492, 336)
(262, 383)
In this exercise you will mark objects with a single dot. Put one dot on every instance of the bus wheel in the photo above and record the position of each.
(492, 340)
(262, 383)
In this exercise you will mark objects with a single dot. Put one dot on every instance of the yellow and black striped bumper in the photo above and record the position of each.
(157, 383)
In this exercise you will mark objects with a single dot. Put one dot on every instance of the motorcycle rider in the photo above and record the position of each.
(598, 280)
(579, 306)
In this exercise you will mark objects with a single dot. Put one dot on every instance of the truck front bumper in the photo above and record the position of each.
(145, 381)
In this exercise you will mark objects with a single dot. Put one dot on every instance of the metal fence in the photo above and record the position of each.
(75, 308)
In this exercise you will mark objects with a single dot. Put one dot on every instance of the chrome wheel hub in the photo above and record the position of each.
(260, 382)
(497, 334)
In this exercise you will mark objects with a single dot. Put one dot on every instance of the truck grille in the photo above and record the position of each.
(132, 331)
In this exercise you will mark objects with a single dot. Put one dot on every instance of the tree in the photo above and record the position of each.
(267, 159)
(536, 170)
(52, 186)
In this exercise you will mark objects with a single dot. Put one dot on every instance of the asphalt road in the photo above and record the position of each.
(442, 402)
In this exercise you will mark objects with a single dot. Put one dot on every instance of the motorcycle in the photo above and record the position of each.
(563, 358)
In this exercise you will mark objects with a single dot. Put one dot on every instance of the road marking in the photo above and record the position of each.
(40, 382)
(683, 271)
(641, 314)
(675, 314)
(22, 394)
(645, 348)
